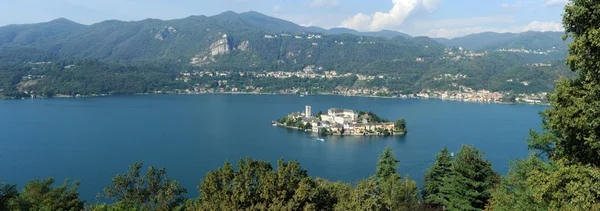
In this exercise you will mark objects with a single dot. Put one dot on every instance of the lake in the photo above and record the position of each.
(93, 139)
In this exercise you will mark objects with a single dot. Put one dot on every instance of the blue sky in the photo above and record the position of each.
(435, 18)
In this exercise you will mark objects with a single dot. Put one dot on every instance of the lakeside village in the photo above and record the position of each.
(462, 93)
(338, 121)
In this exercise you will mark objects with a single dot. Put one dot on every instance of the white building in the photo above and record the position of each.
(307, 112)
(340, 116)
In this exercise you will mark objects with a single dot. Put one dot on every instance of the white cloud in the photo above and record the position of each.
(543, 26)
(320, 4)
(392, 19)
(555, 2)
(457, 32)
(431, 5)
(517, 4)
(359, 22)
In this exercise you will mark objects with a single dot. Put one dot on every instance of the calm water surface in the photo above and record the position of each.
(94, 139)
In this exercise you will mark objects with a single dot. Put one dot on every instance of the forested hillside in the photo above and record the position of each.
(252, 42)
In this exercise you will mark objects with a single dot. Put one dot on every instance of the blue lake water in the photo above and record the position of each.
(93, 139)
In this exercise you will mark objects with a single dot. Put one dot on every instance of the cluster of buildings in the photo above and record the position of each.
(297, 36)
(339, 121)
(463, 93)
(540, 65)
(466, 95)
(450, 77)
(457, 54)
(307, 72)
(515, 50)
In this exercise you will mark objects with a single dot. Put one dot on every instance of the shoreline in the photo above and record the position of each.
(258, 93)
(277, 124)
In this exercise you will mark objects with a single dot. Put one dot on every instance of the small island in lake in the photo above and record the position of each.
(339, 121)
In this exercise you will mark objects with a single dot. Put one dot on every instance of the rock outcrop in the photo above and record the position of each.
(243, 46)
(221, 46)
(165, 32)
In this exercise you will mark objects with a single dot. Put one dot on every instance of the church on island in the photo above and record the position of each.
(339, 121)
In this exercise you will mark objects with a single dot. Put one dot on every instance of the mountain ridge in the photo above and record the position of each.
(252, 42)
(293, 27)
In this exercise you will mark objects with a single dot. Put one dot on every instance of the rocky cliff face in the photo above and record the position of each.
(243, 46)
(221, 46)
(165, 32)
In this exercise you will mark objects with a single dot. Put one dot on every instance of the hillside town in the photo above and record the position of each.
(460, 93)
(339, 121)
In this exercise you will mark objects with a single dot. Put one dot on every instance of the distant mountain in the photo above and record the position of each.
(275, 25)
(216, 40)
(29, 33)
(493, 41)
(255, 42)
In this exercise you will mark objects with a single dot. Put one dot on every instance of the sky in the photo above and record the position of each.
(434, 18)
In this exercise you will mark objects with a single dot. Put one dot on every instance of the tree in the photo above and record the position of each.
(515, 192)
(399, 194)
(364, 197)
(308, 126)
(570, 126)
(324, 131)
(400, 125)
(255, 186)
(509, 98)
(7, 193)
(332, 195)
(41, 195)
(387, 164)
(435, 177)
(573, 117)
(394, 193)
(468, 187)
(153, 191)
(569, 187)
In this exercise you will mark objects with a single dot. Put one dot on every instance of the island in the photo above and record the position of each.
(339, 121)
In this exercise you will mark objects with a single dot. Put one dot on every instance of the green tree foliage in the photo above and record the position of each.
(255, 186)
(387, 164)
(435, 177)
(516, 191)
(400, 125)
(399, 194)
(468, 187)
(308, 126)
(573, 117)
(118, 206)
(41, 195)
(383, 191)
(534, 184)
(364, 197)
(152, 191)
(395, 193)
(7, 192)
(570, 187)
(371, 117)
(569, 180)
